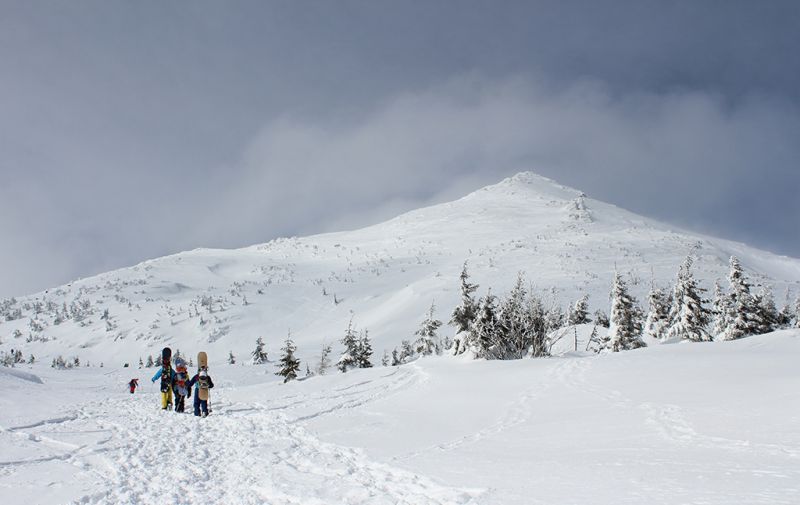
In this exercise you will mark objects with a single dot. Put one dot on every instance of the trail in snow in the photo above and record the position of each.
(242, 454)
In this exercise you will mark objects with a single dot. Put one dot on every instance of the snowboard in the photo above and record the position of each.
(202, 365)
(166, 359)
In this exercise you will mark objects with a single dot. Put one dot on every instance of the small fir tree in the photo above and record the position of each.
(324, 360)
(150, 363)
(350, 357)
(625, 331)
(720, 311)
(289, 365)
(231, 358)
(657, 320)
(259, 355)
(141, 362)
(688, 317)
(766, 312)
(364, 351)
(580, 312)
(742, 317)
(464, 314)
(485, 329)
(428, 340)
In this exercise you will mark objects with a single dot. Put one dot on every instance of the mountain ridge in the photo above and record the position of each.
(383, 276)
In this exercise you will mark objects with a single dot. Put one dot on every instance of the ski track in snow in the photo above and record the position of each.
(669, 420)
(242, 454)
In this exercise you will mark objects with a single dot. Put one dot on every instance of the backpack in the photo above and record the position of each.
(166, 378)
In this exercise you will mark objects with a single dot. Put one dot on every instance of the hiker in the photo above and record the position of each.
(202, 383)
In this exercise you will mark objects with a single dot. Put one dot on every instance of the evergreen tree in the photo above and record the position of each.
(514, 325)
(486, 330)
(601, 318)
(625, 330)
(797, 312)
(324, 360)
(536, 327)
(259, 355)
(231, 358)
(364, 351)
(141, 362)
(406, 352)
(289, 365)
(395, 357)
(31, 360)
(464, 314)
(786, 315)
(657, 320)
(579, 314)
(766, 312)
(149, 361)
(742, 316)
(350, 357)
(428, 340)
(720, 310)
(385, 361)
(688, 316)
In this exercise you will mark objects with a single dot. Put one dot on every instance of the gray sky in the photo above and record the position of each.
(130, 130)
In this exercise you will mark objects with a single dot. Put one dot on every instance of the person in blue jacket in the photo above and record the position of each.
(167, 376)
(201, 382)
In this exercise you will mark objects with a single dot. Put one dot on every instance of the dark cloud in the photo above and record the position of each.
(125, 125)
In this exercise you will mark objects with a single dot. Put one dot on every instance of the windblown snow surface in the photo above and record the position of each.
(711, 423)
(715, 423)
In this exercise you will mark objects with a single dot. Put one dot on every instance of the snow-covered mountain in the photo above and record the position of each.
(384, 277)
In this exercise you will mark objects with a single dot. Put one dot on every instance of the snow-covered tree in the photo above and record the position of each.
(464, 314)
(141, 362)
(721, 310)
(766, 312)
(797, 312)
(150, 363)
(625, 330)
(259, 355)
(231, 358)
(406, 352)
(536, 322)
(364, 350)
(385, 360)
(288, 364)
(657, 320)
(324, 360)
(513, 323)
(688, 316)
(742, 318)
(428, 340)
(395, 358)
(601, 318)
(350, 357)
(486, 330)
(579, 313)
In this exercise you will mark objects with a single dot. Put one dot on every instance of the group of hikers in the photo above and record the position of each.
(175, 383)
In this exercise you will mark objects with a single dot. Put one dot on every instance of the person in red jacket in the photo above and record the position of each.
(133, 384)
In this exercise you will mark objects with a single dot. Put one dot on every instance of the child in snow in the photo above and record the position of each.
(133, 384)
(167, 376)
(181, 385)
(202, 383)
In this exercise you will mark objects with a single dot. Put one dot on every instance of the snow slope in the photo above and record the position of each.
(714, 423)
(384, 277)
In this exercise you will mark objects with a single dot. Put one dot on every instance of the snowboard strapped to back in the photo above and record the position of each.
(166, 369)
(202, 376)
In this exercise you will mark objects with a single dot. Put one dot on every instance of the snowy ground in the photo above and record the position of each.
(715, 423)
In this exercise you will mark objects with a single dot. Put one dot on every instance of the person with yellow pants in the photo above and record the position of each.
(167, 376)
